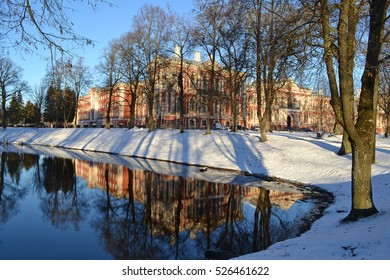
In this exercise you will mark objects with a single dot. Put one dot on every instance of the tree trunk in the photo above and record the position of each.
(387, 129)
(259, 89)
(363, 137)
(208, 125)
(346, 147)
(337, 129)
(211, 93)
(375, 117)
(269, 122)
(2, 169)
(264, 122)
(263, 129)
(131, 123)
(362, 202)
(334, 90)
(150, 117)
(181, 97)
(108, 117)
(3, 110)
(234, 118)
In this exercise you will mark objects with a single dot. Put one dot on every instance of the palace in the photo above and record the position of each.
(294, 107)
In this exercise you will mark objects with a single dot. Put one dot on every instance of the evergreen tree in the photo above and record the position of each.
(69, 103)
(50, 112)
(30, 113)
(10, 84)
(15, 109)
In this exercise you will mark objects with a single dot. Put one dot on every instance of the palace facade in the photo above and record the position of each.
(294, 107)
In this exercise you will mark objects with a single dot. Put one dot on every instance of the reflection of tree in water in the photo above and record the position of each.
(144, 215)
(162, 219)
(10, 190)
(119, 222)
(62, 203)
(261, 233)
(234, 237)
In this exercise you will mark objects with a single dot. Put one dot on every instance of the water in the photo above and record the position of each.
(71, 209)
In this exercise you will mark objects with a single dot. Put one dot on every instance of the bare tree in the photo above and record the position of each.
(278, 46)
(152, 22)
(57, 82)
(234, 54)
(29, 25)
(332, 54)
(10, 84)
(38, 98)
(80, 78)
(361, 131)
(133, 69)
(110, 67)
(206, 35)
(182, 31)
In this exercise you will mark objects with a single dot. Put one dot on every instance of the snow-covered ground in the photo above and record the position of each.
(294, 156)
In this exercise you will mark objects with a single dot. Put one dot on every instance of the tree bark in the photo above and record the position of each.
(181, 96)
(3, 109)
(108, 116)
(363, 134)
(150, 116)
(131, 123)
(362, 202)
(329, 53)
(346, 147)
(263, 129)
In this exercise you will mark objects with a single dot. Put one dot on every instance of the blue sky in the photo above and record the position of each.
(101, 26)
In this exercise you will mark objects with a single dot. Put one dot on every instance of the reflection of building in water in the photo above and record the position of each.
(175, 202)
(96, 174)
(283, 200)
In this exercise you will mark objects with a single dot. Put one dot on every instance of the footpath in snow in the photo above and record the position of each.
(294, 156)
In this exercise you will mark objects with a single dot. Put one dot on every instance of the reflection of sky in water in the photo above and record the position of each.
(83, 222)
(29, 235)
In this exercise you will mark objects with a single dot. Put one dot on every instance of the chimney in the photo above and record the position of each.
(197, 56)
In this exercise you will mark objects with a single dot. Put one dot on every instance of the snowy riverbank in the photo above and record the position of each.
(294, 156)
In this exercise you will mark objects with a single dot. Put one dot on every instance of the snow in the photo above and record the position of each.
(299, 157)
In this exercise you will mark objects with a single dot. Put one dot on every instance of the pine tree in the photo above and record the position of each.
(69, 105)
(50, 112)
(15, 109)
(30, 113)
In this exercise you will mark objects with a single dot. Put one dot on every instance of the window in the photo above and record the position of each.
(204, 83)
(251, 115)
(290, 102)
(173, 102)
(193, 82)
(192, 104)
(216, 107)
(203, 108)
